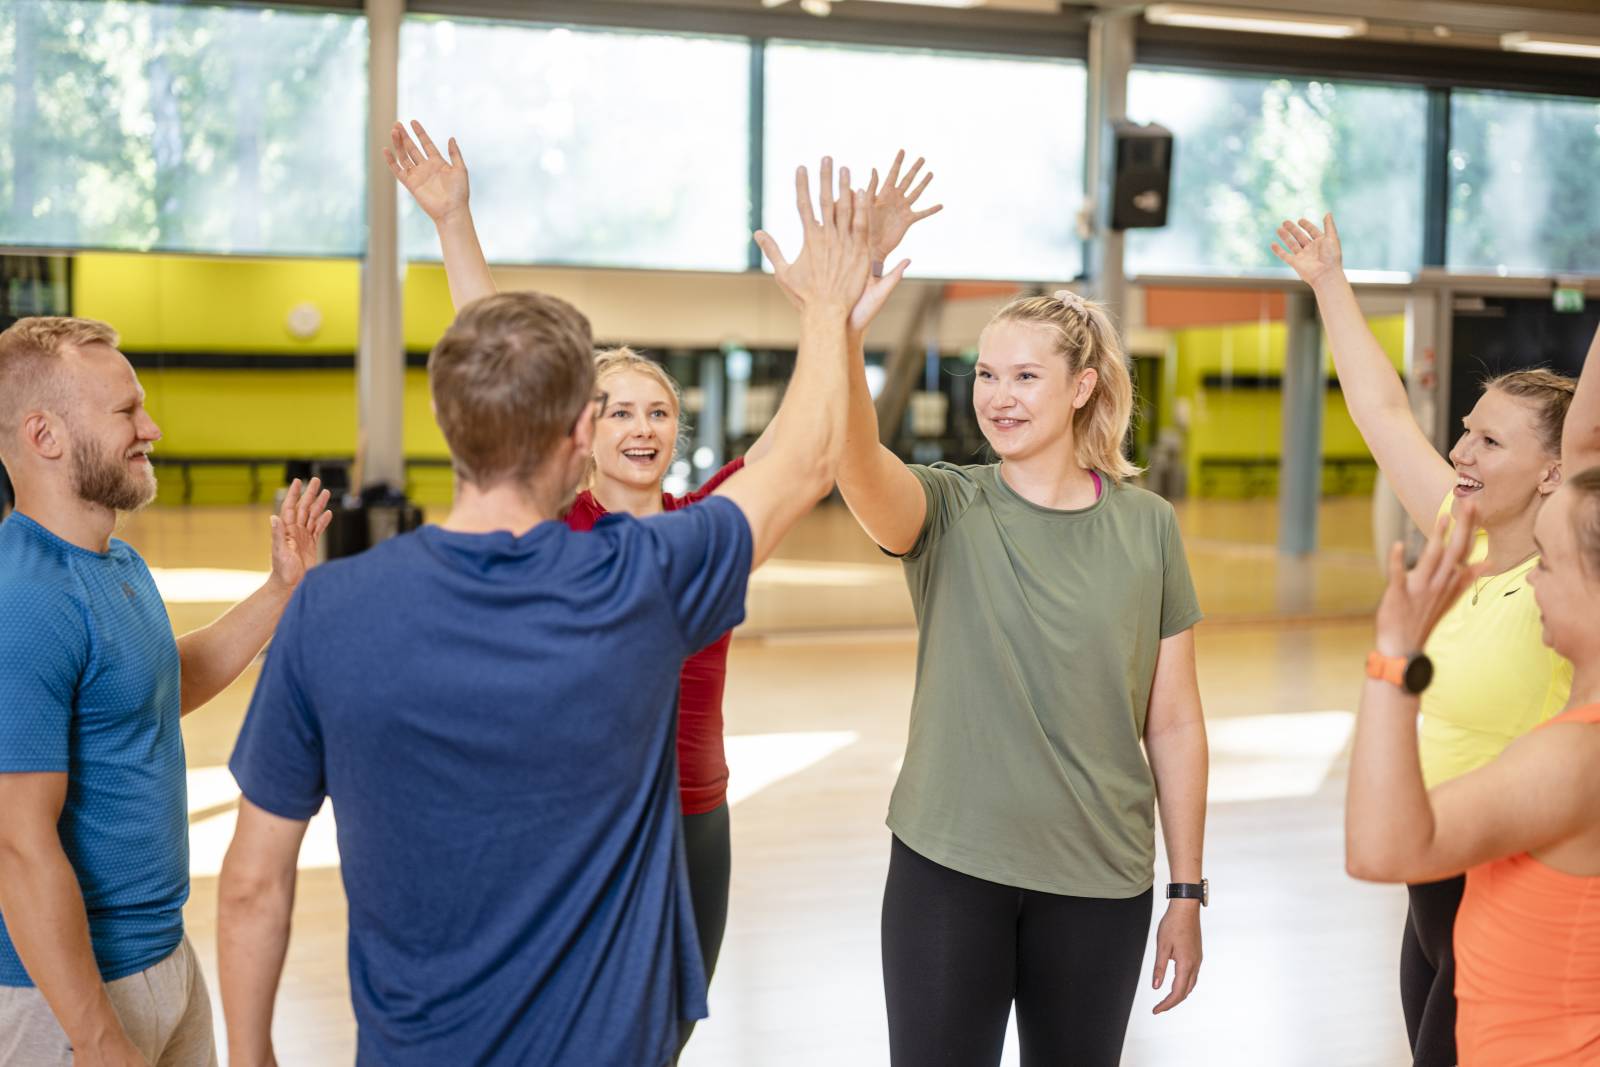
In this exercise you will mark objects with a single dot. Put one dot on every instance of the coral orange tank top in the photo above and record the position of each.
(1528, 961)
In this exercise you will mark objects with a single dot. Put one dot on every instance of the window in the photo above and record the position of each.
(1004, 137)
(1523, 194)
(196, 129)
(587, 147)
(1249, 152)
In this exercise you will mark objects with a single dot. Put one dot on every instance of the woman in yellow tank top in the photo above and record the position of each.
(1526, 826)
(1496, 678)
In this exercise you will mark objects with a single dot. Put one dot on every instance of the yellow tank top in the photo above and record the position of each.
(1494, 679)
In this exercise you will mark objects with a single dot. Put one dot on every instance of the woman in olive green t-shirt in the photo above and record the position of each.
(1499, 679)
(1055, 651)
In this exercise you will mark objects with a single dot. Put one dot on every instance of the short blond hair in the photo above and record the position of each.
(31, 351)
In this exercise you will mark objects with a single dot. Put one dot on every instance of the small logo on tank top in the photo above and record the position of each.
(127, 590)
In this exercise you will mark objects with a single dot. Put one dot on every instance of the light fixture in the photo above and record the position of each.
(1245, 20)
(819, 8)
(1552, 44)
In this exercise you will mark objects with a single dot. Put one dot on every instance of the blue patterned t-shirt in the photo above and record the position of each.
(89, 682)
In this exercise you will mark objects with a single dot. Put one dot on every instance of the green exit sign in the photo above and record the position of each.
(1568, 295)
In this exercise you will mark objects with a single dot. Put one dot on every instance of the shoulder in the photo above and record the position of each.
(377, 566)
(969, 473)
(584, 513)
(46, 620)
(1562, 754)
(712, 484)
(963, 481)
(713, 512)
(1143, 506)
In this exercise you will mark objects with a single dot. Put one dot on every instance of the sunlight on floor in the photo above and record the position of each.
(755, 762)
(1274, 757)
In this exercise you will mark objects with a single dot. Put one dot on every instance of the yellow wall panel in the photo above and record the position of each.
(197, 303)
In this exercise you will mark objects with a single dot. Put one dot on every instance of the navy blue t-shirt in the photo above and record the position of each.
(493, 719)
(89, 686)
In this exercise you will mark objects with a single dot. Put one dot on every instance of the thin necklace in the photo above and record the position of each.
(1479, 583)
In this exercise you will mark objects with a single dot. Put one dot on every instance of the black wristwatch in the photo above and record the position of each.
(1200, 891)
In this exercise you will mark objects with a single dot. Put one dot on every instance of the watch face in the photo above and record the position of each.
(1205, 892)
(1419, 672)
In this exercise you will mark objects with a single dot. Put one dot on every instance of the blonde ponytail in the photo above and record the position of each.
(1086, 339)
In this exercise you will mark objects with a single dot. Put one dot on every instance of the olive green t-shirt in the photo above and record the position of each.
(1037, 638)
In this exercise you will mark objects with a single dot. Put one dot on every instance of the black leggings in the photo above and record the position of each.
(708, 849)
(1428, 971)
(958, 950)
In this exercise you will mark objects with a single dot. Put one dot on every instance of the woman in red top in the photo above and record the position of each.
(634, 443)
(1525, 827)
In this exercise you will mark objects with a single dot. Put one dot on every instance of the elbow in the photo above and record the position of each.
(819, 472)
(1365, 862)
(244, 890)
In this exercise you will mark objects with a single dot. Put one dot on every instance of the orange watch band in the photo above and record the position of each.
(1391, 669)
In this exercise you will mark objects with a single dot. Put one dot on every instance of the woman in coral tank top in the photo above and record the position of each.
(1525, 827)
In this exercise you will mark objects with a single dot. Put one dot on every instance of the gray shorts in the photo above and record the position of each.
(165, 1010)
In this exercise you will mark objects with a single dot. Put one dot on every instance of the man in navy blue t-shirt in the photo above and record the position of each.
(94, 828)
(489, 704)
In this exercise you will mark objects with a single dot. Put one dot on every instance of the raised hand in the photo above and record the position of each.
(1313, 253)
(833, 262)
(438, 185)
(894, 205)
(1416, 599)
(296, 529)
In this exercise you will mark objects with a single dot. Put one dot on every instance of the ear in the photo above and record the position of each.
(44, 434)
(1087, 380)
(1551, 480)
(583, 430)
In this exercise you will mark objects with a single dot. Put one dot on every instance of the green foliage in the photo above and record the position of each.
(1251, 151)
(593, 147)
(150, 126)
(1523, 194)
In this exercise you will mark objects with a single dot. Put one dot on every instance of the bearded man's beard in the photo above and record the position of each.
(110, 483)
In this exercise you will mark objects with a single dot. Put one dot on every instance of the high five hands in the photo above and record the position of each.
(894, 205)
(296, 529)
(834, 258)
(890, 211)
(439, 185)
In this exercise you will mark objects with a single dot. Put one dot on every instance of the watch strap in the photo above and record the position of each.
(1391, 669)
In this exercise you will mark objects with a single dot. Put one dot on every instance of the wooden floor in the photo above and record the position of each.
(1301, 961)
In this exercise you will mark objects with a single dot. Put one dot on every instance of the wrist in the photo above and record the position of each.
(1394, 645)
(1332, 278)
(825, 314)
(454, 218)
(101, 1038)
(277, 588)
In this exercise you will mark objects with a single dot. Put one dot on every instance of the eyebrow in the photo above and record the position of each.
(1014, 366)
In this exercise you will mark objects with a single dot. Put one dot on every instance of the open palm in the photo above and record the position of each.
(1313, 253)
(894, 205)
(794, 277)
(296, 529)
(439, 185)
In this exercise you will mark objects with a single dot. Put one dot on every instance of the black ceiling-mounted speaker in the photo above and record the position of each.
(1143, 175)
